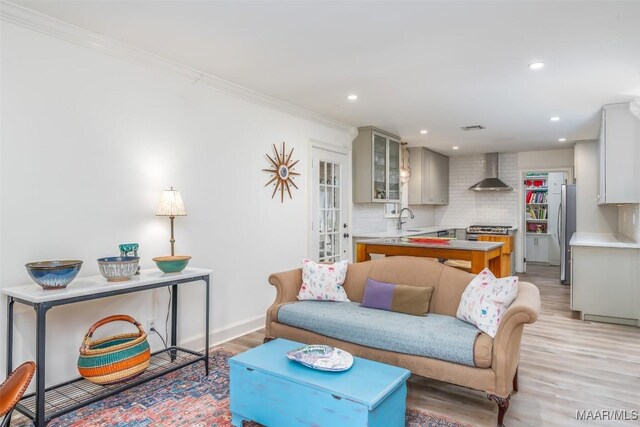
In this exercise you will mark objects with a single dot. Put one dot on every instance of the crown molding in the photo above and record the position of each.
(44, 24)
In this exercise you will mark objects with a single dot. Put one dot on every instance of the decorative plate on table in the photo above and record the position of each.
(322, 358)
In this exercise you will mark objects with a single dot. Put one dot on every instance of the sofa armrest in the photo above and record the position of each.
(287, 284)
(506, 344)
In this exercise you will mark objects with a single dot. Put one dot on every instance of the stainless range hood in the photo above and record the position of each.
(490, 181)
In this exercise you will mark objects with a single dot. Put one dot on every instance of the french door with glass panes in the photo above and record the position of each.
(329, 228)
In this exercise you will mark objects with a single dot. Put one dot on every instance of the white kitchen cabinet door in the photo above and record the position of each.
(618, 148)
(543, 248)
(429, 180)
(537, 248)
(610, 291)
(376, 166)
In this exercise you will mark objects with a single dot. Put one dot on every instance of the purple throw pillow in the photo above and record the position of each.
(404, 299)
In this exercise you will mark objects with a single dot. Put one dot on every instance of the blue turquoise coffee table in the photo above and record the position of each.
(268, 388)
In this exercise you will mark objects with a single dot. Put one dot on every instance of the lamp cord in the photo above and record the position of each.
(166, 324)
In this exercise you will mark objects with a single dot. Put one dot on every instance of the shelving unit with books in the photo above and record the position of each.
(537, 210)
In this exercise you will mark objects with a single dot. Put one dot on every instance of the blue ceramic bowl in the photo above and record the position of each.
(118, 268)
(53, 274)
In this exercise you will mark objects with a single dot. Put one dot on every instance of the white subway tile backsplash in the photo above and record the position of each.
(369, 217)
(471, 207)
(629, 221)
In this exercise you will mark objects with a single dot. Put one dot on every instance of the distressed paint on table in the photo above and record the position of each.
(480, 259)
(268, 388)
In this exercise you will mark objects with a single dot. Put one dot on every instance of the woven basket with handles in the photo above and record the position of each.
(114, 359)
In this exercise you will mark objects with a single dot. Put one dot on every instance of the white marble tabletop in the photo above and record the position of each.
(93, 285)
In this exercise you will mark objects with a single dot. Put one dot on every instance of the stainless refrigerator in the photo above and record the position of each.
(566, 228)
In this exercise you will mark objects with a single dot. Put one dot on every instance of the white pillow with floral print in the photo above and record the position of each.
(486, 299)
(323, 282)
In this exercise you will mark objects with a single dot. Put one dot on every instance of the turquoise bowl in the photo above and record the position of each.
(53, 274)
(172, 264)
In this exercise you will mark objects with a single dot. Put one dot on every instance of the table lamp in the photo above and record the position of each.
(171, 205)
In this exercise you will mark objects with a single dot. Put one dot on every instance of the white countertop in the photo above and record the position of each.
(605, 240)
(97, 284)
(412, 231)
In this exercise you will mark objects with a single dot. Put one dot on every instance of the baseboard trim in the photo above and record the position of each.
(610, 319)
(222, 335)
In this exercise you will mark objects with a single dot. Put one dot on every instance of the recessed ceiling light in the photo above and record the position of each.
(562, 139)
(424, 131)
(536, 65)
(352, 97)
(554, 118)
(455, 147)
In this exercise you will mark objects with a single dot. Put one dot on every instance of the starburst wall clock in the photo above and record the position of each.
(283, 175)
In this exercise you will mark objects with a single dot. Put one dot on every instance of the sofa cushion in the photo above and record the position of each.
(486, 299)
(403, 299)
(323, 281)
(434, 336)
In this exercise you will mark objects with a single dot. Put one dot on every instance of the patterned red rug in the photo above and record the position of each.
(185, 398)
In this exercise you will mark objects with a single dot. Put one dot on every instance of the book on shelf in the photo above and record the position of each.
(536, 197)
(536, 212)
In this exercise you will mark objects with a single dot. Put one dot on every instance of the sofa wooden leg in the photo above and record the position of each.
(267, 339)
(515, 381)
(503, 405)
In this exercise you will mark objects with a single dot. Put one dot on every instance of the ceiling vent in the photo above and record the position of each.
(473, 127)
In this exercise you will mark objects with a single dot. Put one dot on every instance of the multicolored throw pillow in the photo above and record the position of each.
(486, 299)
(403, 299)
(323, 282)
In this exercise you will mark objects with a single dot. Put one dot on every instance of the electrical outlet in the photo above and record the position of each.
(151, 324)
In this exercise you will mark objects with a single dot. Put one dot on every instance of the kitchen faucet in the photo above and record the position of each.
(400, 221)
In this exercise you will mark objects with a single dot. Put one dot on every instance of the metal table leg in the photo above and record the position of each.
(206, 331)
(174, 320)
(41, 326)
(10, 302)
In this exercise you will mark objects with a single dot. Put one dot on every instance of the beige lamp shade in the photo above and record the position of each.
(171, 204)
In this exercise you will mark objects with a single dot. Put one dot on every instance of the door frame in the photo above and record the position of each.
(521, 241)
(314, 144)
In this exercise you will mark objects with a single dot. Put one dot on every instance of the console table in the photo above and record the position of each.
(52, 401)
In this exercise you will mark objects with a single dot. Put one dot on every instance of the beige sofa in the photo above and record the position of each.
(496, 359)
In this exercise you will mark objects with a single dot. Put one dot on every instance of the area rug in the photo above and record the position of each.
(185, 398)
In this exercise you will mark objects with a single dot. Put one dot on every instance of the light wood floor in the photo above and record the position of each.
(566, 364)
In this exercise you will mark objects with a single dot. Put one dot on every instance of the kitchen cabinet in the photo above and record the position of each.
(537, 248)
(619, 155)
(376, 166)
(429, 180)
(608, 290)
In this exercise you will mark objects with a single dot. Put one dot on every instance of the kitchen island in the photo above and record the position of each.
(481, 254)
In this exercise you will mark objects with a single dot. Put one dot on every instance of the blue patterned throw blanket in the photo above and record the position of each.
(434, 336)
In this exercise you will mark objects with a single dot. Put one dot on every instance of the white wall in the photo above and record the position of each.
(470, 207)
(88, 143)
(546, 159)
(590, 216)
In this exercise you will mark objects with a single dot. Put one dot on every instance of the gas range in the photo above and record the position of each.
(502, 230)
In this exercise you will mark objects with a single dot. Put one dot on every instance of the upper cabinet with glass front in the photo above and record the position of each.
(376, 166)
